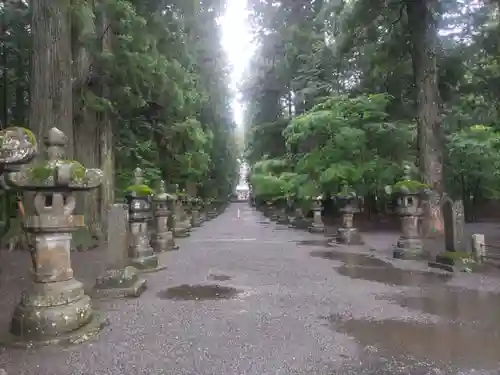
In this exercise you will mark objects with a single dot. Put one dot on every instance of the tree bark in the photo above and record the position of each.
(106, 134)
(422, 22)
(51, 98)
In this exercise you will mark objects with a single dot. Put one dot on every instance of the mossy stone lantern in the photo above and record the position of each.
(409, 195)
(349, 205)
(55, 308)
(317, 225)
(162, 238)
(138, 198)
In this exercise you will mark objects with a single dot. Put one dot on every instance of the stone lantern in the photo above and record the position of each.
(317, 225)
(138, 198)
(182, 222)
(299, 221)
(195, 212)
(162, 238)
(55, 308)
(212, 210)
(281, 212)
(409, 207)
(349, 204)
(203, 211)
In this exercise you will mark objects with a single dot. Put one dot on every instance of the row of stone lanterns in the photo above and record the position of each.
(408, 194)
(55, 308)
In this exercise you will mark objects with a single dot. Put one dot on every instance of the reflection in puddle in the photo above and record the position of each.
(394, 276)
(198, 292)
(219, 277)
(351, 258)
(460, 345)
(460, 305)
(325, 243)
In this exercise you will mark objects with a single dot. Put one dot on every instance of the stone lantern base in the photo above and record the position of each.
(196, 219)
(182, 231)
(349, 236)
(147, 263)
(54, 313)
(120, 283)
(300, 223)
(316, 228)
(282, 217)
(212, 213)
(408, 248)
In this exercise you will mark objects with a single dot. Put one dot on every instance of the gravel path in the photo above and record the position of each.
(242, 297)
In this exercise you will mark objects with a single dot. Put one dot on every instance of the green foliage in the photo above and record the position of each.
(340, 76)
(349, 141)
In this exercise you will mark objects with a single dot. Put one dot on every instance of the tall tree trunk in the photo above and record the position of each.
(4, 104)
(423, 27)
(51, 98)
(107, 155)
(19, 114)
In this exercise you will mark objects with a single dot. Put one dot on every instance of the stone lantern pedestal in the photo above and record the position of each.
(212, 210)
(182, 222)
(203, 212)
(162, 238)
(138, 200)
(55, 308)
(195, 213)
(317, 225)
(299, 221)
(409, 208)
(281, 213)
(347, 234)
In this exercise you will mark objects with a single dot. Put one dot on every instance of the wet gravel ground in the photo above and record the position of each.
(242, 297)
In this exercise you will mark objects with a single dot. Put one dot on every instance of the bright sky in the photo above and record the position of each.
(237, 41)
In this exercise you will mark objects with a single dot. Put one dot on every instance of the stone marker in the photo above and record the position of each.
(454, 223)
(120, 279)
(478, 247)
(55, 308)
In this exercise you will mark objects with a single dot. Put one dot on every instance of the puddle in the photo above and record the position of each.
(351, 258)
(198, 292)
(455, 344)
(324, 243)
(456, 304)
(394, 276)
(219, 277)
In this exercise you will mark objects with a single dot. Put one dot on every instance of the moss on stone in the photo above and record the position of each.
(141, 190)
(42, 171)
(456, 255)
(412, 186)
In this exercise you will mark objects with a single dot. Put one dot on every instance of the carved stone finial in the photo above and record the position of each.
(161, 187)
(55, 137)
(138, 176)
(406, 172)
